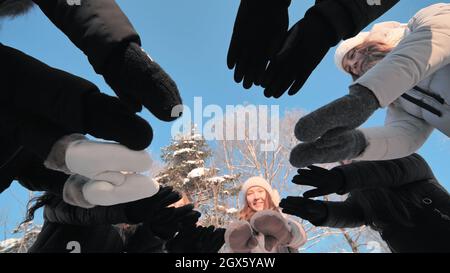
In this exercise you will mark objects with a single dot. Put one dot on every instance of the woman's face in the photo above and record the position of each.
(362, 58)
(256, 198)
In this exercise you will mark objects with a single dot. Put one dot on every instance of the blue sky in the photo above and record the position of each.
(190, 40)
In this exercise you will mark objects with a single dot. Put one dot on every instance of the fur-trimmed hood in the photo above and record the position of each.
(14, 7)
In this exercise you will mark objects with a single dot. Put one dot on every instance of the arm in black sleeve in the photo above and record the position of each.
(349, 17)
(60, 212)
(345, 214)
(98, 28)
(34, 176)
(386, 174)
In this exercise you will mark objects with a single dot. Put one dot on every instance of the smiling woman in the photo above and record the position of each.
(262, 227)
(259, 196)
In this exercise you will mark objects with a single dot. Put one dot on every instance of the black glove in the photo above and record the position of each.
(343, 114)
(327, 150)
(138, 80)
(259, 31)
(146, 209)
(42, 104)
(197, 240)
(307, 43)
(325, 181)
(143, 240)
(312, 210)
(105, 34)
(169, 221)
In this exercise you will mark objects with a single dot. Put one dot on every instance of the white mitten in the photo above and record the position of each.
(119, 188)
(74, 154)
(134, 187)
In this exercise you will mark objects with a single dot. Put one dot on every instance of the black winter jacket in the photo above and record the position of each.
(91, 231)
(98, 28)
(412, 177)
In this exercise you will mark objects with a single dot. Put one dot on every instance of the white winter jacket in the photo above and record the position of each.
(414, 82)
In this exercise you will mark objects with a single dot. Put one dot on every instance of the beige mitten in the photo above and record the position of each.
(273, 226)
(240, 238)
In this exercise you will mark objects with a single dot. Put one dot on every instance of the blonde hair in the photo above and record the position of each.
(246, 213)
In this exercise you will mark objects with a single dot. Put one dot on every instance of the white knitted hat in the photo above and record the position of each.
(258, 181)
(391, 33)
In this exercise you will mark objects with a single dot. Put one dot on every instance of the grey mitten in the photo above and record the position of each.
(240, 238)
(273, 226)
(345, 113)
(328, 149)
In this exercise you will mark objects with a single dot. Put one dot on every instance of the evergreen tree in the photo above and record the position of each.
(187, 170)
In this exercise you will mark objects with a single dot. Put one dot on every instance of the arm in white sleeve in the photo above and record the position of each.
(402, 135)
(421, 53)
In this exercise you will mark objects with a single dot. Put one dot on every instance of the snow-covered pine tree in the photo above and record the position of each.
(186, 159)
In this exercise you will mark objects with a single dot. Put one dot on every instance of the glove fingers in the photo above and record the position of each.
(281, 82)
(217, 240)
(241, 67)
(127, 128)
(170, 199)
(315, 193)
(304, 70)
(318, 171)
(290, 212)
(296, 206)
(255, 69)
(260, 70)
(190, 219)
(184, 211)
(131, 102)
(292, 202)
(284, 84)
(269, 75)
(239, 31)
(233, 52)
(164, 191)
(248, 80)
(305, 180)
(161, 217)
